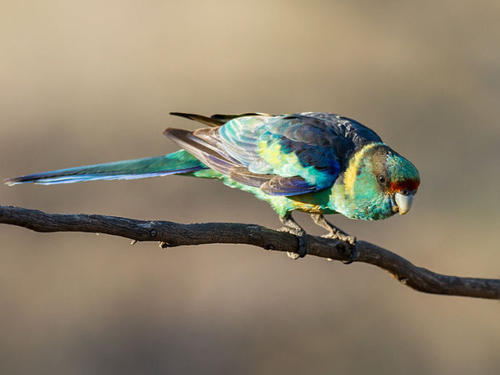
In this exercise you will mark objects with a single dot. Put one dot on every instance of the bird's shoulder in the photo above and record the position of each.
(337, 128)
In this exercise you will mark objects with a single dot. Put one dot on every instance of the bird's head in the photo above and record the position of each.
(378, 182)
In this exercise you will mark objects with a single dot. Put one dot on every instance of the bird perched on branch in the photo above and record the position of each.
(320, 163)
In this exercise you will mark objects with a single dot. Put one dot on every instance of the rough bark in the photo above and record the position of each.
(174, 234)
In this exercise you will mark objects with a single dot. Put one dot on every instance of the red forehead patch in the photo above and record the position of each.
(410, 185)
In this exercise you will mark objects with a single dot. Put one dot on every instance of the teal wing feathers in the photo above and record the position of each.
(287, 146)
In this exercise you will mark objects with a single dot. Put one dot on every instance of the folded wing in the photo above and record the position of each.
(282, 155)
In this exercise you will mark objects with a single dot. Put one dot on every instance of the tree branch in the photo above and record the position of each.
(174, 234)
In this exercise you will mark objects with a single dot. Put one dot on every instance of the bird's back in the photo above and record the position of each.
(342, 135)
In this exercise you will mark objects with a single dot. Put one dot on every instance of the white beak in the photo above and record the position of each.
(403, 202)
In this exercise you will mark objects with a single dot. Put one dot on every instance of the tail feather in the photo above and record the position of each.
(200, 118)
(174, 163)
(217, 119)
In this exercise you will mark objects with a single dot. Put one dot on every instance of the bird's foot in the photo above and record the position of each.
(349, 242)
(291, 226)
(341, 236)
(333, 232)
(352, 250)
(348, 246)
(302, 247)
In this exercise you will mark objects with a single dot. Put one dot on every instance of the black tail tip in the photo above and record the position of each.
(167, 131)
(176, 133)
(13, 181)
(182, 114)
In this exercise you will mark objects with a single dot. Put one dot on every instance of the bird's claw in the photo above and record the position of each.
(302, 246)
(351, 240)
(353, 253)
(163, 245)
(334, 232)
(302, 249)
(349, 247)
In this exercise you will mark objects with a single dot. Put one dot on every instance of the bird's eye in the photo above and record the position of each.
(381, 179)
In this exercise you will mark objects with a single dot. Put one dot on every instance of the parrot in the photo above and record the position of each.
(315, 162)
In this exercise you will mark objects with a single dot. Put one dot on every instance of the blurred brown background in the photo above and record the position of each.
(91, 81)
